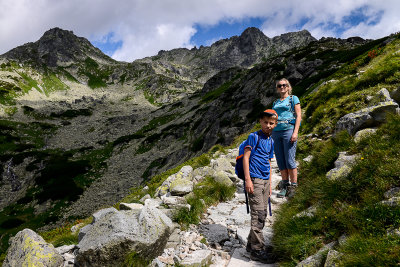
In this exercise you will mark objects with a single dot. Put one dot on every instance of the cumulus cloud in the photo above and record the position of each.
(143, 27)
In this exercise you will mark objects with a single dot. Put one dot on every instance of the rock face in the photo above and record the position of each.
(29, 249)
(114, 234)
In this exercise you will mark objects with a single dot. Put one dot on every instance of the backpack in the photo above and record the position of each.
(239, 159)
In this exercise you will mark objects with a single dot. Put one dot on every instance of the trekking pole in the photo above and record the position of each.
(247, 199)
(269, 205)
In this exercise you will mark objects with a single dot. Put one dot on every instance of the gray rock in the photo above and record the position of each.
(130, 206)
(173, 201)
(363, 134)
(197, 258)
(317, 259)
(223, 178)
(342, 240)
(174, 239)
(181, 182)
(392, 202)
(393, 231)
(29, 249)
(393, 192)
(114, 234)
(147, 196)
(395, 95)
(333, 258)
(309, 158)
(310, 212)
(65, 249)
(343, 166)
(366, 118)
(384, 93)
(215, 233)
(181, 187)
(203, 171)
(222, 164)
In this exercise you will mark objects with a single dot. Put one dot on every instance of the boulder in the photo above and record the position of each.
(197, 258)
(393, 192)
(343, 166)
(391, 202)
(395, 95)
(384, 95)
(215, 233)
(310, 212)
(203, 171)
(29, 249)
(181, 187)
(114, 234)
(130, 206)
(363, 134)
(333, 258)
(317, 259)
(173, 201)
(181, 182)
(365, 118)
(392, 197)
(222, 164)
(223, 178)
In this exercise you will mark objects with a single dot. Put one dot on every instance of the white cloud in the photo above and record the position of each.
(146, 26)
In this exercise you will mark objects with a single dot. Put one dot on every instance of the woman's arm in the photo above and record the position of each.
(297, 109)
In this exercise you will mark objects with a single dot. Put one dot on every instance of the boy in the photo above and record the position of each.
(256, 165)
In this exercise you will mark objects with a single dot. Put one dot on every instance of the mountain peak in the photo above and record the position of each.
(252, 31)
(56, 47)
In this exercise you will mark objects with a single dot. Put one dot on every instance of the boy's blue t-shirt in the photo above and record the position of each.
(282, 107)
(259, 166)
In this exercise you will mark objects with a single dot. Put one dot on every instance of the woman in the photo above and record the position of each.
(285, 133)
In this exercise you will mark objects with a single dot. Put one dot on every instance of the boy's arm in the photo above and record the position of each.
(249, 184)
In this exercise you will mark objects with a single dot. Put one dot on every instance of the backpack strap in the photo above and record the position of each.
(291, 104)
(258, 140)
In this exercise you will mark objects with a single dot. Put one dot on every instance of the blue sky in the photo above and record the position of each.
(132, 29)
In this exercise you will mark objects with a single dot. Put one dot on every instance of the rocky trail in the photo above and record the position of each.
(226, 227)
(232, 214)
(218, 241)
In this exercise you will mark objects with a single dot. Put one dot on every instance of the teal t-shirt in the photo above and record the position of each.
(282, 107)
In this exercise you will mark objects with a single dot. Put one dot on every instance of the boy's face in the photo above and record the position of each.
(267, 124)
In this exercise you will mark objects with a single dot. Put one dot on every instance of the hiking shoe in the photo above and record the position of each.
(291, 190)
(282, 193)
(262, 256)
(248, 248)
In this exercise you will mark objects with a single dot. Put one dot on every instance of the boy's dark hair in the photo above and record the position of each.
(269, 113)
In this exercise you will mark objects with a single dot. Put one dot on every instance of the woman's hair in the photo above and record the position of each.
(287, 81)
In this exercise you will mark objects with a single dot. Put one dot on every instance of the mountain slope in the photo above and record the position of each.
(354, 207)
(68, 152)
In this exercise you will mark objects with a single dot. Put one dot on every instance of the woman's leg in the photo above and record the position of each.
(293, 175)
(280, 156)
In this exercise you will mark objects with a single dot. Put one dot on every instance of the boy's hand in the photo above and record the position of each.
(249, 186)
